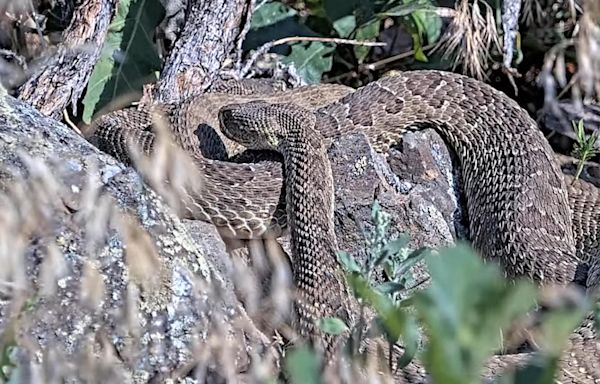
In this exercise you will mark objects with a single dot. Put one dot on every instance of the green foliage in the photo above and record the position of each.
(274, 20)
(348, 19)
(128, 59)
(585, 147)
(464, 311)
(7, 363)
(311, 60)
(556, 326)
(332, 325)
(267, 14)
(10, 372)
(368, 32)
(395, 257)
(423, 24)
(302, 366)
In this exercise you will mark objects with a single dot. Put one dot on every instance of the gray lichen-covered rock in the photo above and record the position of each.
(99, 279)
(413, 183)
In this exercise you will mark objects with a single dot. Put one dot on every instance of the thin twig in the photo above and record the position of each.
(377, 64)
(380, 63)
(267, 46)
(70, 123)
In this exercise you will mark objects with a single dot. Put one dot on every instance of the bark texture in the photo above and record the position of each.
(208, 38)
(64, 76)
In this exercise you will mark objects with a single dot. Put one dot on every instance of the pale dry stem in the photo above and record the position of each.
(471, 37)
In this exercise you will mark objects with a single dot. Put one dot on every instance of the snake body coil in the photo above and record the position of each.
(520, 211)
(517, 202)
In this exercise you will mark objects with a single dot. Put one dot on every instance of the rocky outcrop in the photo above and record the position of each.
(414, 184)
(99, 279)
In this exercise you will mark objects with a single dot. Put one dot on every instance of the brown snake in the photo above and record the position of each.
(517, 199)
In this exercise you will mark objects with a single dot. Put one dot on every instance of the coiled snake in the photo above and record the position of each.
(521, 211)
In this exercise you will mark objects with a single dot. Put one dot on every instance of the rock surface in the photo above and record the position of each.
(100, 280)
(415, 185)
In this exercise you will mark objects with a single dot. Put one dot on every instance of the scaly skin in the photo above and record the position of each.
(517, 199)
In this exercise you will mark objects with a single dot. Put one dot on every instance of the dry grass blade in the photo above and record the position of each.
(532, 12)
(470, 38)
(169, 170)
(281, 280)
(92, 286)
(28, 208)
(53, 269)
(141, 255)
(588, 50)
(95, 213)
(584, 83)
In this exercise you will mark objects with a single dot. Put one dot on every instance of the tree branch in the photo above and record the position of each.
(206, 41)
(65, 75)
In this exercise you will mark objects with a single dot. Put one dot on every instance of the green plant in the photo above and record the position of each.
(585, 147)
(10, 371)
(396, 259)
(464, 311)
(129, 58)
(338, 19)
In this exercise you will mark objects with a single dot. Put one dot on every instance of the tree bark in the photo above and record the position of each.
(64, 76)
(208, 37)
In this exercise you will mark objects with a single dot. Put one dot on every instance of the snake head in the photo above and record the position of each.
(261, 125)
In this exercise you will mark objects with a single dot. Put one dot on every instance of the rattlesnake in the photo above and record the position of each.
(517, 200)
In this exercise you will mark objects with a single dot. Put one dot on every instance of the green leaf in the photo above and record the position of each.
(394, 247)
(421, 13)
(585, 148)
(362, 290)
(332, 325)
(539, 370)
(428, 24)
(302, 366)
(404, 9)
(375, 209)
(269, 14)
(410, 340)
(389, 268)
(411, 260)
(128, 59)
(345, 25)
(389, 288)
(394, 320)
(367, 32)
(348, 262)
(311, 60)
(557, 325)
(465, 310)
(419, 54)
